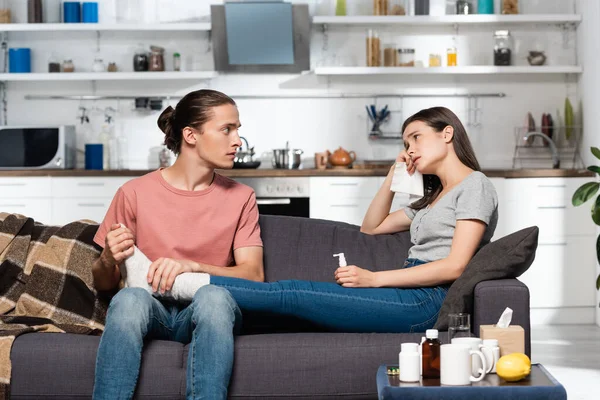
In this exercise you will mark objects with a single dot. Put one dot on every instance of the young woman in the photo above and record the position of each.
(188, 220)
(457, 215)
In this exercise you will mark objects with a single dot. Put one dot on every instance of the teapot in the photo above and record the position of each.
(341, 158)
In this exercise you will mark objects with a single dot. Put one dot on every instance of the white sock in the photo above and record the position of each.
(135, 272)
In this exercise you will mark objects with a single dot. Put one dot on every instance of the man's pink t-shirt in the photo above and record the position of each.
(203, 226)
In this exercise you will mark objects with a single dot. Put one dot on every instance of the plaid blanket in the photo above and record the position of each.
(46, 283)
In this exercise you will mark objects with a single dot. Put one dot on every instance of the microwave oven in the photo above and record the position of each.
(37, 147)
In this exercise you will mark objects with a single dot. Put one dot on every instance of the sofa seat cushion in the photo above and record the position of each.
(62, 365)
(312, 365)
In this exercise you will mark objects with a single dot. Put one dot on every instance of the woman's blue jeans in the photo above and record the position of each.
(342, 309)
(207, 324)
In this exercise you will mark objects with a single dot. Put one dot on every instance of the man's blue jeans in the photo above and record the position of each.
(342, 309)
(208, 324)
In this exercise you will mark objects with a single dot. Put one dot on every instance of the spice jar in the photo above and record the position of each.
(435, 60)
(373, 49)
(98, 65)
(68, 66)
(176, 62)
(451, 58)
(140, 60)
(157, 59)
(390, 56)
(406, 57)
(510, 6)
(112, 67)
(502, 48)
(53, 64)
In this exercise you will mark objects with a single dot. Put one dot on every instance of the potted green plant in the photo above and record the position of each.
(586, 192)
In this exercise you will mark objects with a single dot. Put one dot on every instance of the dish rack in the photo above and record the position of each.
(533, 151)
(386, 131)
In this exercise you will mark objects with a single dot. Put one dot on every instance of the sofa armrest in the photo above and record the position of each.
(492, 297)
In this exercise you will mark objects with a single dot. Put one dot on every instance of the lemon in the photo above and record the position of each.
(523, 357)
(513, 367)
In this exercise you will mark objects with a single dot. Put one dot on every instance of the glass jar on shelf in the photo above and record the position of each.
(510, 6)
(390, 55)
(157, 59)
(398, 7)
(53, 64)
(140, 60)
(380, 7)
(435, 60)
(5, 17)
(373, 49)
(98, 65)
(502, 48)
(340, 8)
(451, 57)
(68, 66)
(406, 57)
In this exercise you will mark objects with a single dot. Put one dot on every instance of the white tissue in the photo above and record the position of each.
(505, 318)
(403, 182)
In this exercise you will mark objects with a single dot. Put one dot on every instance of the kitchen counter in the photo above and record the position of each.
(491, 173)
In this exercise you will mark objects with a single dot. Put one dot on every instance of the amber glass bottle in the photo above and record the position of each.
(430, 350)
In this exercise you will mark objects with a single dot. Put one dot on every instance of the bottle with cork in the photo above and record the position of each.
(430, 354)
(373, 49)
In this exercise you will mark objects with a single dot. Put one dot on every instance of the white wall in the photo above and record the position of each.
(589, 48)
(313, 125)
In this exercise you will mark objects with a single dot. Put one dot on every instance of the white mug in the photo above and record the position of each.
(409, 362)
(456, 365)
(475, 344)
(491, 351)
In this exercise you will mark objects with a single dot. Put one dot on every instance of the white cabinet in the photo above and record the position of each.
(546, 202)
(59, 200)
(83, 198)
(29, 196)
(562, 276)
(344, 199)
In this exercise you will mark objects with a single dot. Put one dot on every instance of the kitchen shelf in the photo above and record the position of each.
(194, 26)
(449, 19)
(467, 70)
(109, 76)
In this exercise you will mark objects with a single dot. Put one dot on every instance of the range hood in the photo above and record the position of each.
(261, 37)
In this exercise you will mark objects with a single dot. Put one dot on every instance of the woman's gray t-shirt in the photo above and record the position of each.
(432, 228)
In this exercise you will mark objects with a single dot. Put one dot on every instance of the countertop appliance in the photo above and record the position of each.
(37, 147)
(281, 195)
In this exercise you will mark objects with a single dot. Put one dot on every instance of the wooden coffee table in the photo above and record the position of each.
(539, 385)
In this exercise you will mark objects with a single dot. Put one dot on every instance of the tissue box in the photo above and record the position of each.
(510, 340)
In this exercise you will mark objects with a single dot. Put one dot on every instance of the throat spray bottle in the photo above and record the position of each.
(342, 259)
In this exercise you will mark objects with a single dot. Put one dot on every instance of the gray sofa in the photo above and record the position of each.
(275, 357)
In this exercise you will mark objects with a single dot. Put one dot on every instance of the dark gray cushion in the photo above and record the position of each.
(504, 258)
(303, 248)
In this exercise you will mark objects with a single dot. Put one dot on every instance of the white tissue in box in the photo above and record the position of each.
(403, 182)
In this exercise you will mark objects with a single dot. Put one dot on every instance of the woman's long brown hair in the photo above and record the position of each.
(438, 118)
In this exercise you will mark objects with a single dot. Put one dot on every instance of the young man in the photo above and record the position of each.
(186, 219)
